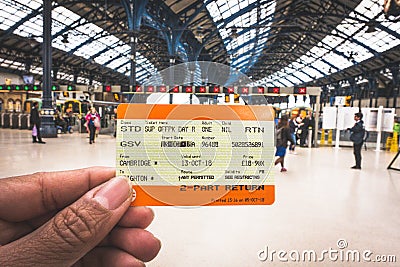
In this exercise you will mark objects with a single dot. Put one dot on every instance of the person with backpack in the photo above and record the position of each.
(357, 137)
(282, 137)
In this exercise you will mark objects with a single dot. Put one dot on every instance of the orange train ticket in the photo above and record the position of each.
(197, 155)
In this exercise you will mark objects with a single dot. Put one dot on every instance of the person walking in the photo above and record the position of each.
(93, 122)
(282, 137)
(293, 125)
(35, 124)
(357, 137)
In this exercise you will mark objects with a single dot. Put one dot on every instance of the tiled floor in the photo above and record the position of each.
(319, 201)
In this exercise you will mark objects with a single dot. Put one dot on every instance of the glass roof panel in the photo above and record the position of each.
(33, 4)
(82, 36)
(332, 41)
(318, 51)
(282, 81)
(322, 67)
(66, 16)
(118, 62)
(240, 49)
(338, 61)
(312, 72)
(306, 59)
(346, 51)
(379, 40)
(33, 27)
(298, 64)
(6, 20)
(302, 76)
(348, 26)
(354, 51)
(292, 79)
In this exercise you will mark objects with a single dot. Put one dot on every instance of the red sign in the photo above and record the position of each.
(300, 90)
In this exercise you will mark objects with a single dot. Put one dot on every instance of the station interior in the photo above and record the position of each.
(327, 59)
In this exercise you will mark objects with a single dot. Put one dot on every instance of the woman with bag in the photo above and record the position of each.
(93, 122)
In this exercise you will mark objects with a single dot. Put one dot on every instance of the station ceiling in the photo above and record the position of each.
(275, 43)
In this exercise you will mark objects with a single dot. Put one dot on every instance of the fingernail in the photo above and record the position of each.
(113, 193)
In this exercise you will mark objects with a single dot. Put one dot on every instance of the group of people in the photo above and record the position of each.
(92, 124)
(286, 135)
(299, 126)
(289, 131)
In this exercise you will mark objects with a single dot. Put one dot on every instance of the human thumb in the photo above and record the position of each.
(74, 231)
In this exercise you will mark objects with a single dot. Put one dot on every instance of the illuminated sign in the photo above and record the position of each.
(175, 89)
(200, 89)
(189, 89)
(274, 90)
(300, 90)
(149, 89)
(245, 90)
(216, 89)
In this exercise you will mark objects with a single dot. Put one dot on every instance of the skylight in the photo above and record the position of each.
(252, 29)
(85, 39)
(345, 51)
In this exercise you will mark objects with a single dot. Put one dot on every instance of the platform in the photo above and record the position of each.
(319, 201)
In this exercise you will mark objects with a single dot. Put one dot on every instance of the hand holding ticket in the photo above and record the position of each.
(191, 155)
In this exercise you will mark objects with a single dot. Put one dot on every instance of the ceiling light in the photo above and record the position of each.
(234, 34)
(65, 39)
(370, 29)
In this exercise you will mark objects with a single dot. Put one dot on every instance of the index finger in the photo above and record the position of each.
(28, 196)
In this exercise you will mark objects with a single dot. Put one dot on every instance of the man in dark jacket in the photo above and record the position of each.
(35, 122)
(357, 137)
(306, 122)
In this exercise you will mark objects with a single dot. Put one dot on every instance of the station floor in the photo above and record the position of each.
(321, 205)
